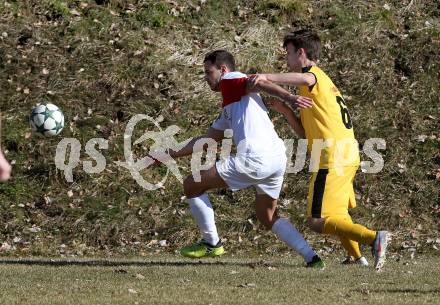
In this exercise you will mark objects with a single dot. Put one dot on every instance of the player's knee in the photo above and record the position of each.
(190, 188)
(314, 224)
(267, 225)
(267, 221)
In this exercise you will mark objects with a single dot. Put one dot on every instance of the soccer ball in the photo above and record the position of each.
(47, 119)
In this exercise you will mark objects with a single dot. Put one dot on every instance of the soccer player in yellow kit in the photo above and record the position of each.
(334, 151)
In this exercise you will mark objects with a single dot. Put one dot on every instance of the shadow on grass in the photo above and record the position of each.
(407, 290)
(142, 263)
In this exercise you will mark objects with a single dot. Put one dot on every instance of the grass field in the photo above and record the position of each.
(171, 280)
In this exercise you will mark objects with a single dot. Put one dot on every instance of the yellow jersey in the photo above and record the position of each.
(328, 124)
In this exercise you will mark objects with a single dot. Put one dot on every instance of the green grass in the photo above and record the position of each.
(170, 280)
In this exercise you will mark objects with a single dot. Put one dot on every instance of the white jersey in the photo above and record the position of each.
(253, 132)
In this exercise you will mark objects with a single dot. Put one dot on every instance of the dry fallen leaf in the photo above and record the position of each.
(421, 138)
(139, 276)
(120, 271)
(34, 229)
(5, 247)
(75, 12)
(248, 285)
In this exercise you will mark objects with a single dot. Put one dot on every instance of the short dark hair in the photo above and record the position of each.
(221, 57)
(306, 39)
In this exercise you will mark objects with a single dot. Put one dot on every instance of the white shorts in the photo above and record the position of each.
(264, 173)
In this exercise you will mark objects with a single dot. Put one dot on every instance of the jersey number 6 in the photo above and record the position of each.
(346, 119)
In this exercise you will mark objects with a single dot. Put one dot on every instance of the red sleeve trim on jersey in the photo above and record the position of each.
(233, 90)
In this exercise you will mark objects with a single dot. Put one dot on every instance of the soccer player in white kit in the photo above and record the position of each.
(259, 162)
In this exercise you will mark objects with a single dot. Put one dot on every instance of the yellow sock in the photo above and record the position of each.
(351, 247)
(341, 227)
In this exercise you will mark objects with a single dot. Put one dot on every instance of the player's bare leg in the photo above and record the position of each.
(209, 179)
(266, 210)
(203, 213)
(5, 167)
(265, 207)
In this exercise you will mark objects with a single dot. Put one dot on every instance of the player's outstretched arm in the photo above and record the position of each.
(291, 79)
(292, 119)
(5, 168)
(188, 149)
(275, 90)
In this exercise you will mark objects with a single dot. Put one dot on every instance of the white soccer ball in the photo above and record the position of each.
(47, 119)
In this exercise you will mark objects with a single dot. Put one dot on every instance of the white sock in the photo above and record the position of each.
(286, 232)
(201, 210)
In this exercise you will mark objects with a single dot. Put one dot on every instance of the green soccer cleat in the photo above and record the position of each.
(203, 249)
(316, 263)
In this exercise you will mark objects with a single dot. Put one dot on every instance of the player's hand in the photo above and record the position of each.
(156, 162)
(5, 168)
(254, 79)
(278, 106)
(298, 101)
